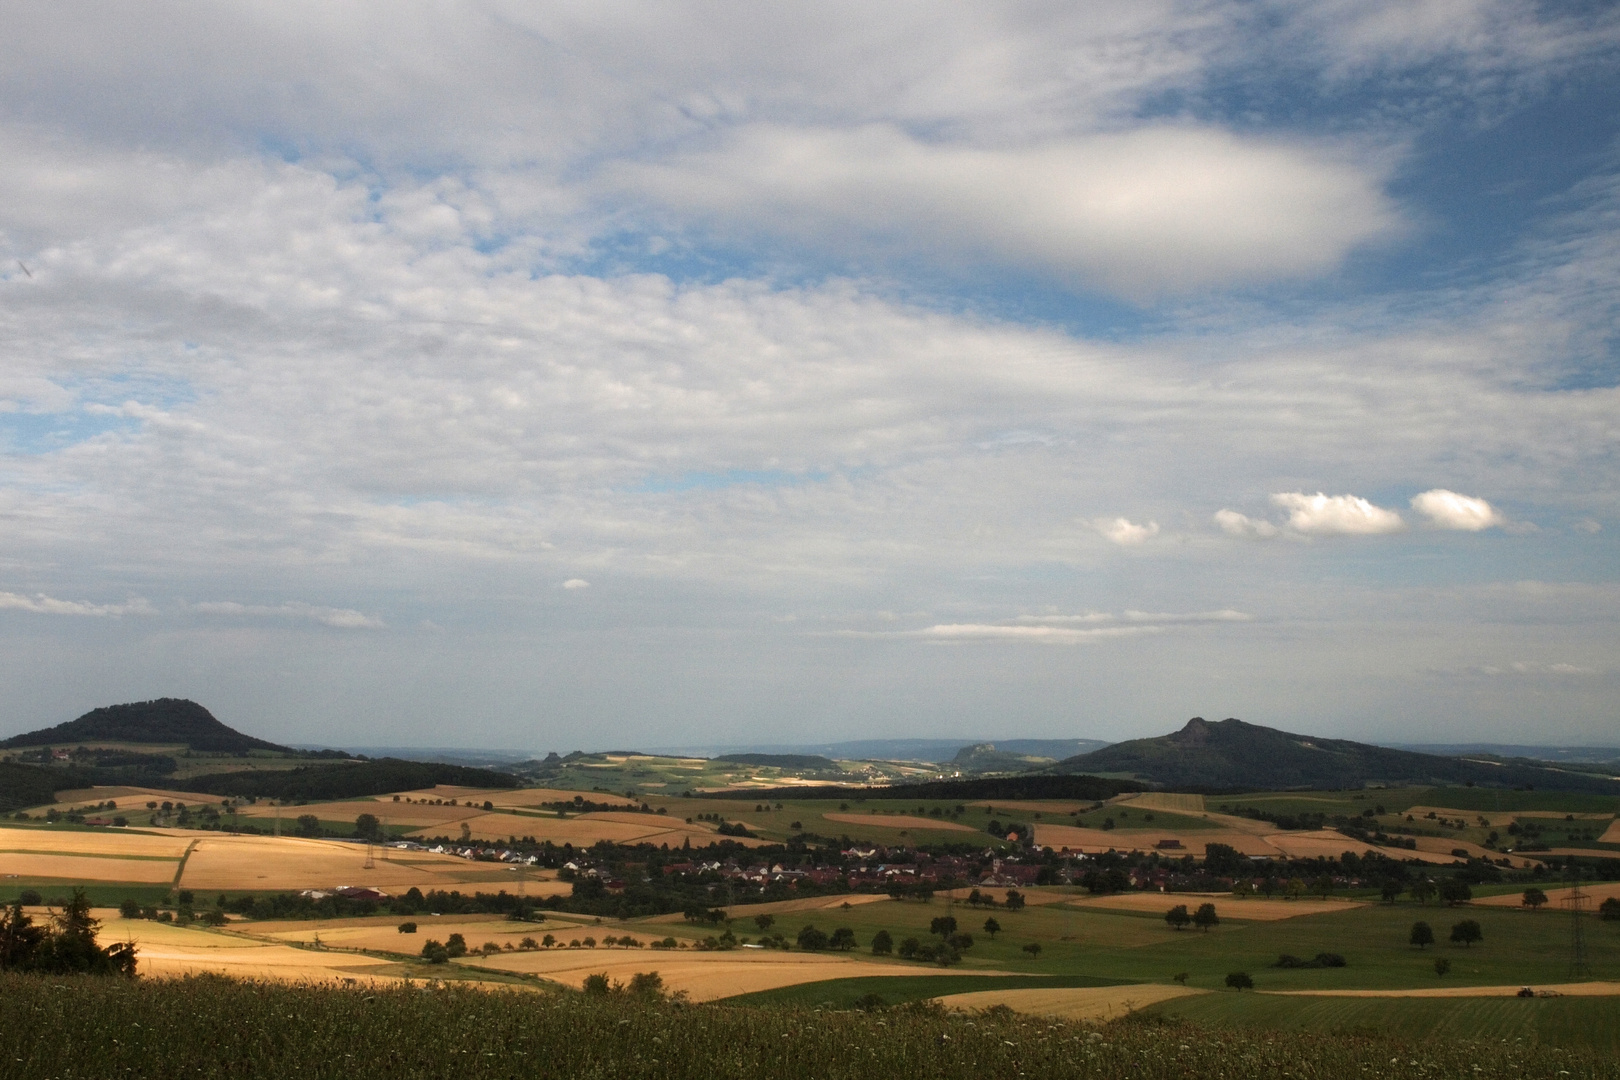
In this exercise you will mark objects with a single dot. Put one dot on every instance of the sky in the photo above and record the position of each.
(562, 375)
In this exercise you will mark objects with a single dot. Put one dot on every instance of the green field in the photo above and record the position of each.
(1591, 1023)
(1519, 946)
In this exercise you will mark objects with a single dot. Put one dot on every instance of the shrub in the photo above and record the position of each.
(1441, 965)
(434, 952)
(407, 928)
(1240, 981)
(130, 909)
(1609, 910)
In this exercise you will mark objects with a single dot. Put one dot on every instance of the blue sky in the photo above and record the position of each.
(562, 376)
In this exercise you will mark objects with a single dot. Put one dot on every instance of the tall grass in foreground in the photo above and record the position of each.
(58, 1028)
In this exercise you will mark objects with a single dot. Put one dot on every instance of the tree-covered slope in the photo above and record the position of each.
(1235, 754)
(347, 780)
(164, 721)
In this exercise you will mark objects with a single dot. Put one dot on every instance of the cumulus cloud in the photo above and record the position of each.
(1157, 210)
(1124, 532)
(1233, 523)
(1449, 510)
(338, 618)
(40, 604)
(1336, 515)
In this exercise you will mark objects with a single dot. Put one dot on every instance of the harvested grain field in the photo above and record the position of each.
(1580, 989)
(226, 862)
(421, 815)
(1163, 800)
(167, 951)
(1438, 849)
(705, 976)
(146, 843)
(381, 933)
(1034, 895)
(1089, 1003)
(1596, 893)
(582, 831)
(779, 907)
(1093, 841)
(131, 797)
(1611, 835)
(1251, 910)
(898, 821)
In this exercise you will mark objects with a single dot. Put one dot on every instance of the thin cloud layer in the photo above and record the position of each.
(40, 604)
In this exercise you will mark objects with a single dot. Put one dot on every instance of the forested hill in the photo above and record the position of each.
(164, 721)
(1235, 754)
(347, 780)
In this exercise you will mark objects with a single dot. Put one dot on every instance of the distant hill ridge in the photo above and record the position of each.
(1233, 754)
(163, 721)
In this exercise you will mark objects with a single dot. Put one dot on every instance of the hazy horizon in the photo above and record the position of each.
(535, 375)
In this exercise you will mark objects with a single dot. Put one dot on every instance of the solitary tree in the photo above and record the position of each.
(843, 939)
(1422, 935)
(1467, 932)
(1034, 950)
(943, 925)
(764, 922)
(1455, 892)
(1534, 898)
(1178, 917)
(882, 943)
(1240, 981)
(1015, 900)
(1609, 910)
(1205, 917)
(1392, 890)
(1422, 890)
(992, 927)
(367, 827)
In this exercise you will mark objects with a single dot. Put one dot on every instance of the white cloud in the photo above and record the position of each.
(1449, 510)
(576, 583)
(1336, 515)
(1157, 210)
(1060, 629)
(40, 604)
(1233, 523)
(1588, 526)
(338, 618)
(1124, 532)
(1224, 615)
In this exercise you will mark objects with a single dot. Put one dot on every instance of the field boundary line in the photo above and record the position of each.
(186, 857)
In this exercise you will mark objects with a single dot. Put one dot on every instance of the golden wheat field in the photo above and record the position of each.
(1595, 894)
(898, 821)
(1251, 909)
(1088, 1003)
(166, 950)
(704, 976)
